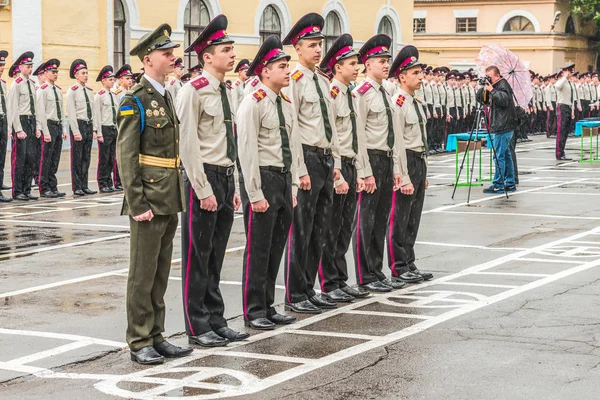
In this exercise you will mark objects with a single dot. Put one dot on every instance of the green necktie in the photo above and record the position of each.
(87, 104)
(58, 112)
(2, 99)
(353, 120)
(31, 102)
(285, 140)
(421, 125)
(112, 104)
(231, 151)
(571, 88)
(388, 111)
(326, 123)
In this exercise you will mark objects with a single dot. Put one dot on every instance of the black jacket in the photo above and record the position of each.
(502, 106)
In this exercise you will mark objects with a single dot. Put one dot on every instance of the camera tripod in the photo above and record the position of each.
(475, 131)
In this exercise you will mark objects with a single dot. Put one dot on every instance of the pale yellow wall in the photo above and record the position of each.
(5, 36)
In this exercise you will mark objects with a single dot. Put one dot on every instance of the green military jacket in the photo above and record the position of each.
(149, 187)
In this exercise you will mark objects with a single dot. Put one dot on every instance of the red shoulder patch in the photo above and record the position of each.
(283, 96)
(90, 89)
(102, 92)
(297, 75)
(3, 80)
(400, 100)
(237, 83)
(254, 82)
(172, 82)
(227, 85)
(199, 83)
(364, 88)
(74, 87)
(44, 86)
(19, 80)
(259, 95)
(334, 91)
(58, 87)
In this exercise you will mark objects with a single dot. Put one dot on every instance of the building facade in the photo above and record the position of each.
(544, 33)
(103, 31)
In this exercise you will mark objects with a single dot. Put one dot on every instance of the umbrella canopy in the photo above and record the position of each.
(511, 68)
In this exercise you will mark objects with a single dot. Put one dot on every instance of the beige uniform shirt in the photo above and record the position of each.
(76, 105)
(203, 133)
(427, 92)
(451, 98)
(173, 87)
(390, 87)
(260, 138)
(305, 99)
(103, 110)
(120, 93)
(435, 91)
(443, 90)
(343, 124)
(238, 92)
(18, 101)
(408, 129)
(252, 85)
(48, 101)
(373, 121)
(550, 95)
(3, 94)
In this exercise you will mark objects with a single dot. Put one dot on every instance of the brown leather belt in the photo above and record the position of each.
(151, 161)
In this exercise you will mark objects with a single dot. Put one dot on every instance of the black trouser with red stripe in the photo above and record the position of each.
(333, 272)
(50, 158)
(3, 143)
(405, 217)
(370, 225)
(81, 152)
(204, 236)
(107, 157)
(563, 115)
(266, 237)
(312, 217)
(24, 152)
(551, 120)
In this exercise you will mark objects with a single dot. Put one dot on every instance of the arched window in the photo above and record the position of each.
(386, 27)
(518, 24)
(195, 19)
(570, 26)
(119, 37)
(332, 30)
(270, 24)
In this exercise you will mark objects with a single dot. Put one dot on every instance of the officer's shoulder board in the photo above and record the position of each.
(117, 91)
(137, 87)
(335, 91)
(400, 100)
(102, 92)
(2, 80)
(75, 87)
(237, 83)
(297, 75)
(418, 100)
(364, 88)
(90, 89)
(259, 95)
(172, 82)
(58, 87)
(283, 96)
(44, 86)
(227, 85)
(199, 83)
(19, 80)
(254, 82)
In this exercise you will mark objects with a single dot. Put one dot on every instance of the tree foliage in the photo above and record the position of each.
(588, 9)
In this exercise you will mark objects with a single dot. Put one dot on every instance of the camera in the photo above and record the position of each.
(484, 80)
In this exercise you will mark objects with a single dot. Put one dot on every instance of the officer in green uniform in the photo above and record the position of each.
(148, 158)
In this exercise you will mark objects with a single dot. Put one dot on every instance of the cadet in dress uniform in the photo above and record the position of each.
(185, 78)
(565, 93)
(551, 106)
(251, 85)
(320, 167)
(79, 107)
(52, 121)
(125, 82)
(3, 127)
(270, 182)
(196, 70)
(435, 146)
(376, 120)
(105, 129)
(20, 103)
(148, 154)
(238, 87)
(407, 203)
(342, 59)
(428, 98)
(453, 116)
(208, 152)
(175, 83)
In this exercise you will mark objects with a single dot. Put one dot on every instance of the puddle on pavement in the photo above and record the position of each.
(379, 307)
(374, 325)
(260, 368)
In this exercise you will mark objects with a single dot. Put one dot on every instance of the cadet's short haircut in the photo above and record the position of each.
(209, 50)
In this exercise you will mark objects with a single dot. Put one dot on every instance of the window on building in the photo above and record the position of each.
(386, 27)
(518, 24)
(195, 19)
(119, 21)
(419, 25)
(332, 30)
(466, 24)
(570, 26)
(270, 23)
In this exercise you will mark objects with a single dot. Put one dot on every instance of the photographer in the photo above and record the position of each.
(498, 95)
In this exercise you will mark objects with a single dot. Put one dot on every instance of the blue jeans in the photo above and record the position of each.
(505, 162)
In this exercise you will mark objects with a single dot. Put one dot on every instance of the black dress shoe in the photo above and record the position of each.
(5, 187)
(22, 197)
(565, 158)
(106, 190)
(230, 334)
(5, 199)
(426, 275)
(392, 284)
(32, 197)
(281, 319)
(118, 188)
(79, 192)
(408, 277)
(89, 191)
(261, 324)
(377, 287)
(208, 339)
(169, 350)
(303, 307)
(322, 303)
(356, 293)
(147, 356)
(337, 296)
(59, 194)
(49, 194)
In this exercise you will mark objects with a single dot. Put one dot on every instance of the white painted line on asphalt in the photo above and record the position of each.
(490, 285)
(470, 246)
(567, 193)
(549, 260)
(387, 314)
(585, 242)
(61, 336)
(259, 356)
(511, 214)
(334, 334)
(50, 352)
(512, 274)
(23, 221)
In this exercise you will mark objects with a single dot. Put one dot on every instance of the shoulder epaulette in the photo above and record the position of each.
(199, 83)
(31, 80)
(364, 88)
(172, 82)
(283, 96)
(418, 100)
(119, 90)
(334, 91)
(58, 87)
(74, 87)
(19, 80)
(237, 83)
(259, 95)
(254, 82)
(90, 89)
(137, 87)
(44, 86)
(297, 75)
(227, 85)
(3, 80)
(400, 100)
(102, 92)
